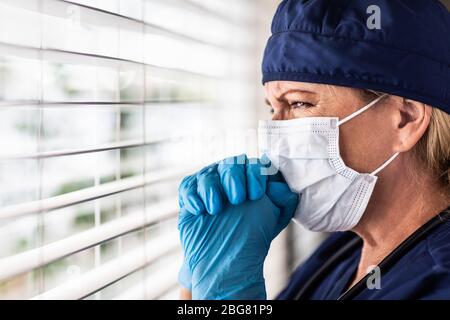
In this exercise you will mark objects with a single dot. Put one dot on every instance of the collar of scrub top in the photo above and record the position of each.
(384, 265)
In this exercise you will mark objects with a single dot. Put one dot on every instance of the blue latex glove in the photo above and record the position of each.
(225, 253)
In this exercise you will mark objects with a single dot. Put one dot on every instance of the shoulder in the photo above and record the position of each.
(436, 282)
(422, 273)
(304, 271)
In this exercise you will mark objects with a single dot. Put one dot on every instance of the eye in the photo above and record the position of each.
(301, 104)
(272, 110)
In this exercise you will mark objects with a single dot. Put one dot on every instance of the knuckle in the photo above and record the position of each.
(186, 183)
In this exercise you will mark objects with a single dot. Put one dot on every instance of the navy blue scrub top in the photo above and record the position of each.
(422, 273)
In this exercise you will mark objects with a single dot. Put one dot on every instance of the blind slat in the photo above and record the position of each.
(59, 55)
(46, 103)
(71, 152)
(110, 272)
(152, 27)
(153, 286)
(89, 194)
(29, 260)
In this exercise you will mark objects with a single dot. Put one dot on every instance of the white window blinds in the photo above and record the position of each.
(104, 106)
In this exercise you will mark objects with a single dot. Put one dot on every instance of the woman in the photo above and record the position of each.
(359, 146)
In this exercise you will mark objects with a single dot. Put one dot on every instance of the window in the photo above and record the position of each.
(104, 106)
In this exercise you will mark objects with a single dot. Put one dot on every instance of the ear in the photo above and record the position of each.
(413, 119)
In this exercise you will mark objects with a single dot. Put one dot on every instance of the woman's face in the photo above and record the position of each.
(366, 141)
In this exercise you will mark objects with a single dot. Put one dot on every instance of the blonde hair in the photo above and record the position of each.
(433, 149)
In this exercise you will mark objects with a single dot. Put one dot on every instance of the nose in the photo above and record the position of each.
(278, 116)
(282, 114)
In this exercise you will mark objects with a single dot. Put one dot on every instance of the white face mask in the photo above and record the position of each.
(333, 197)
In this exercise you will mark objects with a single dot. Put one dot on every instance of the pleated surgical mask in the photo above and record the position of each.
(333, 197)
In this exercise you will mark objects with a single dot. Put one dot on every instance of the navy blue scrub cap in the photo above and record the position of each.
(331, 42)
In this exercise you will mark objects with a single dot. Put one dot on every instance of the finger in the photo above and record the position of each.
(232, 176)
(277, 177)
(256, 179)
(209, 189)
(287, 201)
(268, 168)
(188, 197)
(272, 173)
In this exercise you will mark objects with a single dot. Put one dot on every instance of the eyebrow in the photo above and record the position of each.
(293, 91)
(288, 92)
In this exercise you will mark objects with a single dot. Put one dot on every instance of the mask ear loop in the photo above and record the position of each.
(377, 171)
(357, 113)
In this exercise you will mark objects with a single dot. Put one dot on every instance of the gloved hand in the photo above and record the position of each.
(225, 253)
